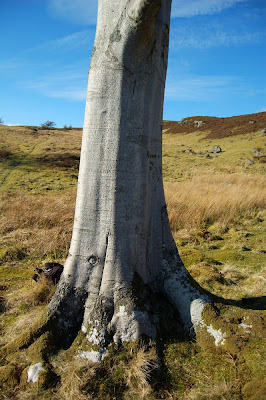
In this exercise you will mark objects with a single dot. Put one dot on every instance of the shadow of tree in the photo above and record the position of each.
(251, 303)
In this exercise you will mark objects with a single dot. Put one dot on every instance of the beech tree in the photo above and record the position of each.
(121, 234)
(123, 260)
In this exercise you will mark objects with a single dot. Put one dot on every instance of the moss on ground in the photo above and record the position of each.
(255, 389)
(9, 376)
(26, 338)
(38, 175)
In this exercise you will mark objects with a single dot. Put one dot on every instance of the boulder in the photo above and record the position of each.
(40, 375)
(216, 149)
(257, 151)
(249, 162)
(198, 124)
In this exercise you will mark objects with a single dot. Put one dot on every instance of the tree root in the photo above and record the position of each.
(116, 322)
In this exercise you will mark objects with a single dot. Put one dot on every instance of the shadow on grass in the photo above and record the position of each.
(50, 160)
(251, 303)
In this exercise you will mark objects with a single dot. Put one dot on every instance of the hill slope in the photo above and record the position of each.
(218, 128)
(216, 205)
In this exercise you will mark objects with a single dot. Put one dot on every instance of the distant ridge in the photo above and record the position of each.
(218, 127)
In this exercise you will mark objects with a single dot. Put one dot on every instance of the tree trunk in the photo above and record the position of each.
(121, 236)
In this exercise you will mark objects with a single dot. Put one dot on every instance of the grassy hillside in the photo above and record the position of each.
(216, 205)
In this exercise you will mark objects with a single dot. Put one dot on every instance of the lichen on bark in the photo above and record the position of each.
(121, 228)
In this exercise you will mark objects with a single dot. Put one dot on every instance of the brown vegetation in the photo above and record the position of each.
(217, 197)
(37, 225)
(216, 209)
(218, 127)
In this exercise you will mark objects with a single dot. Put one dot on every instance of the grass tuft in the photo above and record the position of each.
(209, 199)
(139, 372)
(216, 207)
(75, 377)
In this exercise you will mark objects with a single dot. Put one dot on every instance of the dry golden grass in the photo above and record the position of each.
(37, 224)
(138, 373)
(34, 393)
(42, 292)
(41, 225)
(217, 194)
(20, 323)
(75, 377)
(22, 211)
(34, 294)
(221, 391)
(214, 198)
(26, 305)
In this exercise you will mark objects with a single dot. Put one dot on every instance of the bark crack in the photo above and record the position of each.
(104, 258)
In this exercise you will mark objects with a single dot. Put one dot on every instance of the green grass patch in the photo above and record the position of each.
(221, 240)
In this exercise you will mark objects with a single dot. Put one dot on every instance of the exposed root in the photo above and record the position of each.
(131, 314)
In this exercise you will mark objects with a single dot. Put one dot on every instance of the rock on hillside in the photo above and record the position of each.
(218, 127)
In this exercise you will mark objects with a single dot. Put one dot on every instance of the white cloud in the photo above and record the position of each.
(185, 88)
(200, 88)
(47, 53)
(73, 94)
(77, 11)
(11, 124)
(68, 84)
(184, 8)
(75, 40)
(11, 63)
(85, 11)
(69, 42)
(210, 36)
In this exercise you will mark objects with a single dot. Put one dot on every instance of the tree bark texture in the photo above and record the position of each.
(121, 228)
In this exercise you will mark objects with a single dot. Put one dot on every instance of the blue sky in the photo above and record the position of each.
(216, 60)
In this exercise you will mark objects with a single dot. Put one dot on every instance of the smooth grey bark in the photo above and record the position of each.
(121, 228)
